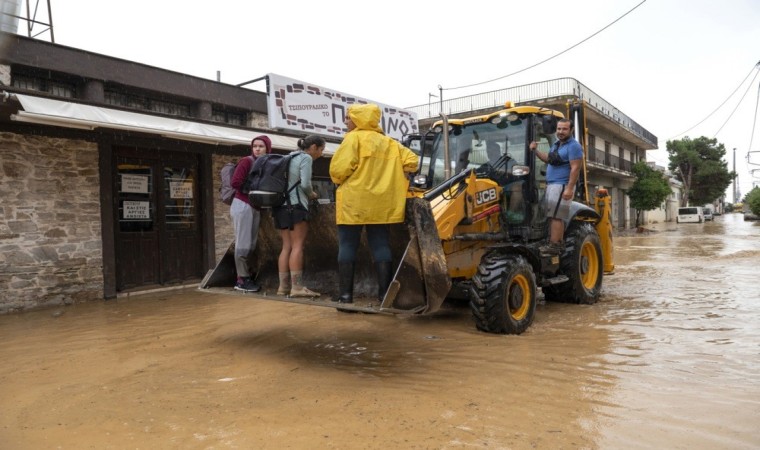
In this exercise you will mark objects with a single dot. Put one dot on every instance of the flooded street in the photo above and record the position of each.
(669, 358)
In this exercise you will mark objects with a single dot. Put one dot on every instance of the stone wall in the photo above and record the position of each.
(50, 243)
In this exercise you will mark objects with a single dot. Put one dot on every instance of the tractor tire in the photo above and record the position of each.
(583, 264)
(503, 294)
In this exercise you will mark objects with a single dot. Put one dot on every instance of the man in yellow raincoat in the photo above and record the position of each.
(370, 171)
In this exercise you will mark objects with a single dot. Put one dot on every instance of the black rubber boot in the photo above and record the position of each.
(346, 282)
(384, 276)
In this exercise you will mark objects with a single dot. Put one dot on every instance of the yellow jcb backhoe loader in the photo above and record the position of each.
(474, 225)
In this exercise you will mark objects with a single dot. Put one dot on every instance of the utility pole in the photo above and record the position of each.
(734, 175)
(440, 97)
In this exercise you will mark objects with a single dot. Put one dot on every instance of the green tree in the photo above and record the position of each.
(753, 200)
(698, 164)
(650, 189)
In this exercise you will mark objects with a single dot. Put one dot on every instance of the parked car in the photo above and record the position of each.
(707, 213)
(690, 214)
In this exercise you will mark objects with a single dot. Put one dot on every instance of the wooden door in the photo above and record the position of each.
(158, 235)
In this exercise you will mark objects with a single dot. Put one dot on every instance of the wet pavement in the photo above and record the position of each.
(669, 358)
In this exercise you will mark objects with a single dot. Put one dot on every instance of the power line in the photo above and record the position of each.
(754, 122)
(719, 106)
(549, 58)
(736, 107)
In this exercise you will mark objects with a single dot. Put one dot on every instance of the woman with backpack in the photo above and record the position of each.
(292, 218)
(245, 218)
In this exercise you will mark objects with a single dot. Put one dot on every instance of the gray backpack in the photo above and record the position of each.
(226, 191)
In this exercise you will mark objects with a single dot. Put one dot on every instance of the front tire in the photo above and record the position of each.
(503, 294)
(583, 264)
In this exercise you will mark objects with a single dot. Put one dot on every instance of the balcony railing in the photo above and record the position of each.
(597, 156)
(605, 159)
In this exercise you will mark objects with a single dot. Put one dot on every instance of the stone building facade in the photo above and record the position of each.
(50, 235)
(50, 221)
(109, 173)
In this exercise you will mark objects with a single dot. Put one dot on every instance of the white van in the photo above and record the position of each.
(690, 214)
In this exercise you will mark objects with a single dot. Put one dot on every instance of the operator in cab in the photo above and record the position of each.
(564, 162)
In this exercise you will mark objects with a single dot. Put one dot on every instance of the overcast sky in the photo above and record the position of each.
(668, 64)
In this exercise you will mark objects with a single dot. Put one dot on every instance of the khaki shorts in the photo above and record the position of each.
(557, 208)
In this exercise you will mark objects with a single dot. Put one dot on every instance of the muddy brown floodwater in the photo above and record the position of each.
(669, 358)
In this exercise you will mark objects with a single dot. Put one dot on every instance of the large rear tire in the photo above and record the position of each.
(583, 264)
(503, 294)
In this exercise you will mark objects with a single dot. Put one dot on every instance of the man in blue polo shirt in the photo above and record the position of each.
(563, 167)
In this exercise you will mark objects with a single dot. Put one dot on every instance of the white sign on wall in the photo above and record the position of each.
(134, 183)
(136, 210)
(181, 189)
(301, 106)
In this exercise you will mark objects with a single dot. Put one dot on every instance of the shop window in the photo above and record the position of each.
(135, 188)
(179, 192)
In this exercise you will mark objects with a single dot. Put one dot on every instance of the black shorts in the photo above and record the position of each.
(285, 217)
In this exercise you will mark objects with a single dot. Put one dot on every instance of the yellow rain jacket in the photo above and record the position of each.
(369, 169)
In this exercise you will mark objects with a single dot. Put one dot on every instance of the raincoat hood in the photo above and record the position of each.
(370, 170)
(265, 139)
(365, 117)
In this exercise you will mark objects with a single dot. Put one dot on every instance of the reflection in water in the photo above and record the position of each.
(687, 296)
(667, 359)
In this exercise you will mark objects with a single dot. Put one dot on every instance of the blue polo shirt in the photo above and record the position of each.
(570, 150)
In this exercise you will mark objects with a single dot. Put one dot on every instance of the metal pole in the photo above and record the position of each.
(446, 154)
(430, 112)
(265, 77)
(734, 175)
(440, 98)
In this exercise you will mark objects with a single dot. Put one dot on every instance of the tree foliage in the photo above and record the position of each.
(650, 189)
(698, 164)
(753, 200)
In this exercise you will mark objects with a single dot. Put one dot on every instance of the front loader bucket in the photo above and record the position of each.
(224, 273)
(320, 256)
(420, 283)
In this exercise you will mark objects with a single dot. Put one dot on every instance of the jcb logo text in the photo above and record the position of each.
(486, 196)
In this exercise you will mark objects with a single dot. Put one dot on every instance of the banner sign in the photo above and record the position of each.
(304, 107)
